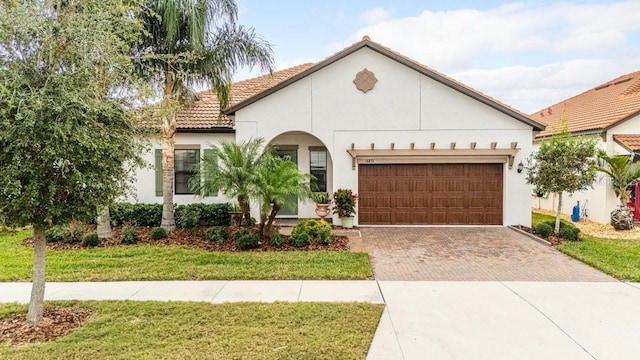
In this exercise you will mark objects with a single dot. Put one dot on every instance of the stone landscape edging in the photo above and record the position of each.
(536, 238)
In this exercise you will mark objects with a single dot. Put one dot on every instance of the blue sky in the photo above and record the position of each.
(528, 54)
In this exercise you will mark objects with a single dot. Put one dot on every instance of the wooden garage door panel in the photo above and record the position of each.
(430, 194)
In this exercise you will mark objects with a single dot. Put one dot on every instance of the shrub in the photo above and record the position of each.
(137, 214)
(276, 238)
(186, 216)
(129, 235)
(194, 215)
(566, 228)
(90, 240)
(75, 233)
(55, 234)
(544, 230)
(300, 239)
(569, 233)
(247, 240)
(217, 234)
(315, 229)
(64, 233)
(158, 233)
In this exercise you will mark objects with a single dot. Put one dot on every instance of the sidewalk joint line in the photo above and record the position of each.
(146, 283)
(548, 318)
(393, 326)
(300, 291)
(218, 292)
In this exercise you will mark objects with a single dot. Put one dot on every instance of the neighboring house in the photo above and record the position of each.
(611, 114)
(416, 146)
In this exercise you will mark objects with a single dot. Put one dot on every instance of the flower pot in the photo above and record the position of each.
(347, 222)
(322, 210)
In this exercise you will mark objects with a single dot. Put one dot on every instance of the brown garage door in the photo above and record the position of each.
(451, 194)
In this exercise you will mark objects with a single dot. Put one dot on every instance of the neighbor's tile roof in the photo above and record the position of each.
(631, 142)
(204, 113)
(595, 109)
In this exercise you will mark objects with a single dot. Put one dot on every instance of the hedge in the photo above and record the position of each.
(186, 216)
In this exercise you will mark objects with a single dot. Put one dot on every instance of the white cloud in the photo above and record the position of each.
(375, 16)
(531, 88)
(454, 39)
(526, 55)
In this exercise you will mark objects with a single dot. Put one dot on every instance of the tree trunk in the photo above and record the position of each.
(168, 130)
(272, 216)
(104, 224)
(36, 303)
(168, 162)
(245, 208)
(263, 221)
(556, 228)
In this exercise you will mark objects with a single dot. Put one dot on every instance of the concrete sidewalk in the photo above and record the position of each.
(429, 319)
(211, 291)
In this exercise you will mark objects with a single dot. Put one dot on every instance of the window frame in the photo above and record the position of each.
(323, 170)
(188, 173)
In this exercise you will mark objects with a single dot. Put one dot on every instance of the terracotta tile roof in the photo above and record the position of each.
(595, 109)
(204, 113)
(631, 142)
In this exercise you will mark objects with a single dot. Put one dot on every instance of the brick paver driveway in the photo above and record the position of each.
(468, 253)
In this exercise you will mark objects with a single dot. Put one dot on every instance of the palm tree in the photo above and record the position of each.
(278, 181)
(232, 168)
(622, 173)
(191, 42)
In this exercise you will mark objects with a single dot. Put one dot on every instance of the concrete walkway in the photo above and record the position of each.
(429, 319)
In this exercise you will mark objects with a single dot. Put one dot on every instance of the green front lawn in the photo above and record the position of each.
(148, 262)
(153, 330)
(537, 218)
(619, 258)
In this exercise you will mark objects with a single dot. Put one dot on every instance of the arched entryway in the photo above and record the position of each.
(312, 157)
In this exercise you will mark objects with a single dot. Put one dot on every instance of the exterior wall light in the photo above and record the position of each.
(520, 167)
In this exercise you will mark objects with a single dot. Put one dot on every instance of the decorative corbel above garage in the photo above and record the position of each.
(453, 154)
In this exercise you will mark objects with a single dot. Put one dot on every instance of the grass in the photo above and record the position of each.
(148, 262)
(153, 330)
(619, 258)
(537, 218)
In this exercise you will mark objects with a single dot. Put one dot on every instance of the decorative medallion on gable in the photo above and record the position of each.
(365, 80)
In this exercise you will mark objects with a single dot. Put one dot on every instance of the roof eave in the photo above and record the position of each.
(218, 129)
(381, 50)
(630, 150)
(624, 119)
(597, 131)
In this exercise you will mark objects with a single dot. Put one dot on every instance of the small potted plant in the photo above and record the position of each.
(344, 204)
(322, 204)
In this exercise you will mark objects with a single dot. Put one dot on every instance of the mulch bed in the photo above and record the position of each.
(15, 330)
(553, 239)
(195, 238)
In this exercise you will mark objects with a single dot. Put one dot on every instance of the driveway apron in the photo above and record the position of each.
(468, 254)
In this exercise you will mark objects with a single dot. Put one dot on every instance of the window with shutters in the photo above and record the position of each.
(186, 163)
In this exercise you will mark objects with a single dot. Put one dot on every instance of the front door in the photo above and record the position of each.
(290, 207)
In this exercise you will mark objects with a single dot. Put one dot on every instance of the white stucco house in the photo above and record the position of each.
(418, 147)
(609, 113)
